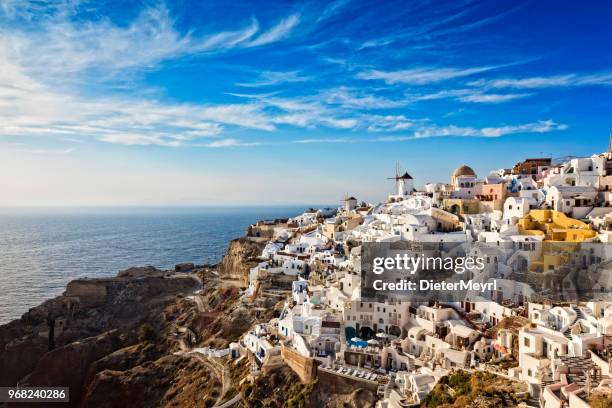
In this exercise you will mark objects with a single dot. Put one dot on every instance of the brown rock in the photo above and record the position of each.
(241, 256)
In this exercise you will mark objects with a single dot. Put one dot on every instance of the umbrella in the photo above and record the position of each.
(382, 335)
(373, 342)
(356, 339)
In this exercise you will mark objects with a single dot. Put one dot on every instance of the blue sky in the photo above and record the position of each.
(106, 103)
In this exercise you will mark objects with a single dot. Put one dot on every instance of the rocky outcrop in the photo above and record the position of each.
(67, 366)
(184, 267)
(241, 256)
(118, 341)
(168, 381)
(140, 271)
(59, 341)
(87, 293)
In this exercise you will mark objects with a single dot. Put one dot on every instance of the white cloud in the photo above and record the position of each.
(278, 32)
(543, 126)
(46, 68)
(478, 97)
(424, 131)
(421, 76)
(466, 95)
(229, 143)
(306, 112)
(136, 139)
(332, 9)
(30, 108)
(269, 78)
(244, 115)
(604, 79)
(389, 123)
(62, 46)
(351, 98)
(323, 140)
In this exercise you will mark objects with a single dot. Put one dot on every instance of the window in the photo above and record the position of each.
(526, 342)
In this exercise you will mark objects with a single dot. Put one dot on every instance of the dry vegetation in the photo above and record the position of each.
(478, 389)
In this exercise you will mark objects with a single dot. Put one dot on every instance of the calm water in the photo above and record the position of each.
(42, 250)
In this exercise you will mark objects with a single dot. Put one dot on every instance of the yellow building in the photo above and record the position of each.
(555, 226)
(562, 237)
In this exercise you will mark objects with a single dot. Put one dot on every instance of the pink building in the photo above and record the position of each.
(490, 192)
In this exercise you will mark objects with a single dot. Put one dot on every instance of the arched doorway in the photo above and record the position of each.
(349, 332)
(395, 331)
(366, 333)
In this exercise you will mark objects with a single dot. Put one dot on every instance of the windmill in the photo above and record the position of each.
(403, 182)
(350, 203)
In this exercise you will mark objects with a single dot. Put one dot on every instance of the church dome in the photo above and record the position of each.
(463, 170)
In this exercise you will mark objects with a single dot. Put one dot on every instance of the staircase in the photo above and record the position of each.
(579, 313)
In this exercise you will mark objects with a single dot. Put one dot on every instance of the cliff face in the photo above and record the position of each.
(124, 341)
(241, 256)
(168, 381)
(67, 366)
(96, 324)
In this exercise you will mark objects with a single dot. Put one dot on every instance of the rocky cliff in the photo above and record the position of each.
(241, 256)
(96, 324)
(129, 340)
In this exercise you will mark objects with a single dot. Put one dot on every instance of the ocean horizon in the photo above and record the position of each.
(44, 248)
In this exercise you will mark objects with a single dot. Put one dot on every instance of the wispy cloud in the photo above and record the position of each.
(332, 9)
(31, 108)
(325, 140)
(425, 131)
(389, 123)
(604, 78)
(421, 76)
(352, 98)
(35, 100)
(276, 33)
(138, 139)
(270, 78)
(543, 126)
(229, 143)
(478, 97)
(469, 95)
(61, 45)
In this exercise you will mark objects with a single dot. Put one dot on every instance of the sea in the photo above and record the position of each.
(42, 249)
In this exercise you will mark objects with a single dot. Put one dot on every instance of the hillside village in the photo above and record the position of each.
(555, 353)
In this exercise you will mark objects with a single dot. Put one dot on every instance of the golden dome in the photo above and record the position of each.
(463, 170)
